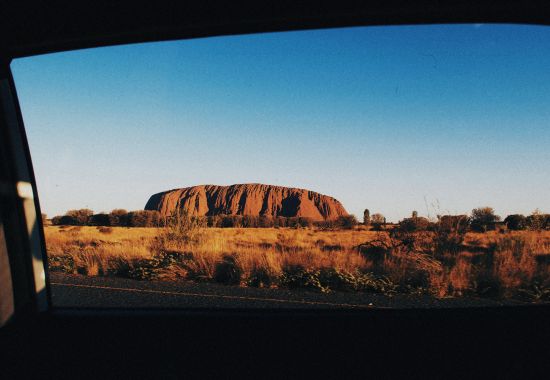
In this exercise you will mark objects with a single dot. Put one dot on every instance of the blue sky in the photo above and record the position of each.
(393, 119)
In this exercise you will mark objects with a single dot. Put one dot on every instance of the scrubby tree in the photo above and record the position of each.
(449, 234)
(67, 220)
(346, 222)
(366, 217)
(305, 221)
(536, 221)
(77, 217)
(483, 219)
(100, 219)
(118, 217)
(292, 222)
(251, 221)
(452, 223)
(214, 221)
(230, 221)
(181, 226)
(265, 221)
(279, 222)
(56, 220)
(414, 224)
(377, 218)
(516, 222)
(237, 221)
(143, 218)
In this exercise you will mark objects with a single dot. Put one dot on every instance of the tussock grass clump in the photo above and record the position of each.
(228, 271)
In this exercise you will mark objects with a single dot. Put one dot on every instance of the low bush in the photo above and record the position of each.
(56, 220)
(346, 222)
(228, 271)
(261, 277)
(296, 276)
(537, 221)
(336, 279)
(184, 228)
(375, 251)
(516, 222)
(329, 279)
(61, 263)
(143, 218)
(414, 224)
(118, 217)
(99, 220)
(77, 217)
(483, 219)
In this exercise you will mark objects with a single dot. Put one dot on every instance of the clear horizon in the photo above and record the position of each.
(393, 119)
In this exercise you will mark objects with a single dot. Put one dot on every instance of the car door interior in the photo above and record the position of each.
(40, 340)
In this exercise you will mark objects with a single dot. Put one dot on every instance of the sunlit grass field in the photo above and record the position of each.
(493, 264)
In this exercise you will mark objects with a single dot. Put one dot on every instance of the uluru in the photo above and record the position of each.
(247, 199)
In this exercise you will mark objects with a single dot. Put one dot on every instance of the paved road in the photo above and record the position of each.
(82, 291)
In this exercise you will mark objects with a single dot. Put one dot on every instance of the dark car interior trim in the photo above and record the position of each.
(170, 344)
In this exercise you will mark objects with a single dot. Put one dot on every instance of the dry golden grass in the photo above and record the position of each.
(488, 264)
(94, 252)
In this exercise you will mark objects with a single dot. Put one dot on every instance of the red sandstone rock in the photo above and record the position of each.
(247, 199)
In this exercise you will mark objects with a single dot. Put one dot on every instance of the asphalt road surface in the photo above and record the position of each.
(109, 292)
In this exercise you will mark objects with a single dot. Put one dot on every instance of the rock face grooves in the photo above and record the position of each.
(247, 199)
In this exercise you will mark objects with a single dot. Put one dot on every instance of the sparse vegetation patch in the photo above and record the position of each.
(444, 260)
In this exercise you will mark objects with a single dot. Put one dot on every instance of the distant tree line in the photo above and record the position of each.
(117, 217)
(151, 218)
(481, 220)
(536, 221)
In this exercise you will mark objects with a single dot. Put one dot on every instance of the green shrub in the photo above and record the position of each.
(535, 293)
(118, 217)
(183, 227)
(335, 279)
(328, 279)
(99, 220)
(56, 220)
(375, 251)
(516, 222)
(483, 219)
(77, 217)
(266, 222)
(231, 221)
(62, 263)
(452, 223)
(414, 224)
(346, 222)
(144, 269)
(296, 276)
(536, 221)
(260, 277)
(250, 221)
(143, 218)
(378, 222)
